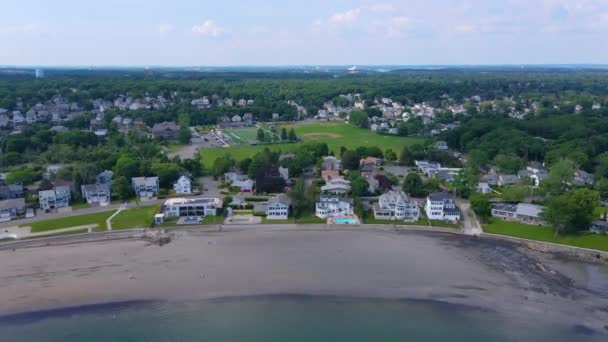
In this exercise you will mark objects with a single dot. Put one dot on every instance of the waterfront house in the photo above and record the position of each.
(11, 209)
(395, 205)
(96, 193)
(278, 207)
(441, 206)
(522, 212)
(58, 197)
(145, 187)
(333, 207)
(180, 207)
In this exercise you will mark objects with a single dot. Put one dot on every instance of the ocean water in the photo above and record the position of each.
(283, 318)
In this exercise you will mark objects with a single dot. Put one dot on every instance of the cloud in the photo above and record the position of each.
(345, 18)
(209, 29)
(399, 25)
(165, 28)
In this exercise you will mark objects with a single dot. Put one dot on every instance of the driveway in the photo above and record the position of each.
(470, 223)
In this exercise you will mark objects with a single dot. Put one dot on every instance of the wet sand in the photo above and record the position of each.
(488, 274)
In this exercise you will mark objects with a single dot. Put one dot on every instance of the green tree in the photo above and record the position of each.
(481, 206)
(121, 188)
(390, 155)
(572, 211)
(413, 185)
(298, 197)
(515, 194)
(292, 135)
(350, 160)
(406, 157)
(359, 118)
(283, 134)
(261, 136)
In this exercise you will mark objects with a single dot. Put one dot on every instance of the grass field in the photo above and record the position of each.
(335, 134)
(140, 217)
(547, 234)
(72, 221)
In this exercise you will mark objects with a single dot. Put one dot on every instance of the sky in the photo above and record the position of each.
(311, 32)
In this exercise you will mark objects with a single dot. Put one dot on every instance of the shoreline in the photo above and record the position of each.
(382, 264)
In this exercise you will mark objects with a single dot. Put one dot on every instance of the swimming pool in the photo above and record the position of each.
(346, 221)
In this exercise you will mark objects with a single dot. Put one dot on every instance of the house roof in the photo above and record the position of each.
(281, 198)
(531, 210)
(512, 208)
(12, 203)
(440, 196)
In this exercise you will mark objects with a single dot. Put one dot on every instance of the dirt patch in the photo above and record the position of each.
(321, 135)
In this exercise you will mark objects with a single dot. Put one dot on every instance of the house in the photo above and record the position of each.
(180, 207)
(236, 118)
(4, 120)
(536, 167)
(165, 130)
(57, 198)
(441, 206)
(97, 193)
(599, 227)
(240, 181)
(504, 180)
(145, 187)
(104, 177)
(11, 191)
(428, 168)
(248, 117)
(504, 211)
(441, 145)
(333, 207)
(336, 186)
(278, 207)
(11, 209)
(582, 178)
(483, 188)
(395, 205)
(284, 172)
(522, 212)
(328, 175)
(332, 163)
(369, 164)
(242, 102)
(183, 185)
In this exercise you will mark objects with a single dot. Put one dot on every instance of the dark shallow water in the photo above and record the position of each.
(282, 318)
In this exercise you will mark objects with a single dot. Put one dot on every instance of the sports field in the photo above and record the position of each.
(245, 135)
(335, 134)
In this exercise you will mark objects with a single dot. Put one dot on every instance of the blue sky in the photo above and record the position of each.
(312, 32)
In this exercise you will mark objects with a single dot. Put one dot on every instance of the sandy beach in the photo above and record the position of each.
(488, 274)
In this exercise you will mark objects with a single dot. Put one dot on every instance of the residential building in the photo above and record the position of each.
(11, 209)
(240, 181)
(522, 212)
(328, 175)
(97, 193)
(599, 227)
(284, 172)
(369, 164)
(57, 198)
(183, 186)
(165, 130)
(395, 205)
(483, 188)
(145, 187)
(582, 178)
(278, 207)
(11, 191)
(336, 186)
(180, 207)
(332, 163)
(104, 177)
(504, 180)
(441, 206)
(441, 145)
(333, 207)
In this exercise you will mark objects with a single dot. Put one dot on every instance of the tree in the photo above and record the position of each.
(283, 134)
(390, 155)
(572, 211)
(292, 135)
(167, 173)
(261, 136)
(350, 160)
(121, 188)
(269, 180)
(514, 194)
(481, 205)
(560, 175)
(222, 165)
(406, 157)
(298, 197)
(413, 185)
(508, 163)
(358, 185)
(359, 118)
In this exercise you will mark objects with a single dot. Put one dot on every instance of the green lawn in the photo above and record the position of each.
(335, 134)
(213, 219)
(141, 217)
(547, 234)
(71, 221)
(311, 220)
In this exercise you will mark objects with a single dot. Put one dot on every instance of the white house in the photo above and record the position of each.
(336, 186)
(441, 206)
(395, 205)
(240, 181)
(96, 193)
(483, 188)
(333, 207)
(179, 207)
(278, 207)
(441, 145)
(145, 187)
(57, 198)
(183, 186)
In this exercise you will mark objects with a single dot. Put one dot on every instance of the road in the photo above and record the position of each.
(470, 223)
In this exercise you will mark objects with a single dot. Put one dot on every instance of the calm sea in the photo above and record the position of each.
(282, 318)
